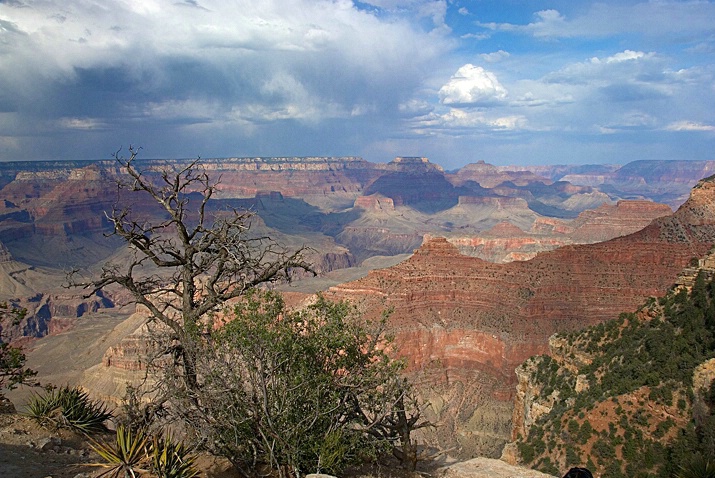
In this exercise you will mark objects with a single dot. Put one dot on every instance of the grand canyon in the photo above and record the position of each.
(478, 267)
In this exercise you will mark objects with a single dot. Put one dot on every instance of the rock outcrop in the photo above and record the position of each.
(488, 468)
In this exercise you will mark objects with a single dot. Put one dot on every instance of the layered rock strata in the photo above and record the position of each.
(465, 324)
(505, 242)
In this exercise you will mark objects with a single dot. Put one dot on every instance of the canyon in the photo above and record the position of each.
(499, 258)
(465, 324)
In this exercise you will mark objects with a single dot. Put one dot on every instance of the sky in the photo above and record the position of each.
(456, 81)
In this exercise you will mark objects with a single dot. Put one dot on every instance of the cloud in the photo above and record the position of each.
(472, 86)
(494, 56)
(547, 22)
(626, 55)
(460, 121)
(476, 36)
(662, 19)
(689, 126)
(81, 123)
(435, 10)
(415, 107)
(631, 121)
(625, 65)
(230, 64)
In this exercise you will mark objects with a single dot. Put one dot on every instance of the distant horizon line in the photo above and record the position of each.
(47, 163)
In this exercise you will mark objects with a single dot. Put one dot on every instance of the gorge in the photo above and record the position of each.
(543, 256)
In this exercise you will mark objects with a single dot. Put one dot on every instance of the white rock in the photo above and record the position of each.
(488, 468)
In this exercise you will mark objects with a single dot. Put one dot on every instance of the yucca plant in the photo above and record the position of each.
(125, 455)
(172, 459)
(41, 407)
(70, 408)
(81, 412)
(698, 467)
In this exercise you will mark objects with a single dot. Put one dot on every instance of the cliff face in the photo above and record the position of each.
(466, 324)
(505, 242)
(60, 206)
(631, 395)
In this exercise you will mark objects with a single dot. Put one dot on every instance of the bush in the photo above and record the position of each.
(295, 392)
(12, 360)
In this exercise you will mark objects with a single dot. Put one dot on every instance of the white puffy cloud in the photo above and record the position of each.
(472, 85)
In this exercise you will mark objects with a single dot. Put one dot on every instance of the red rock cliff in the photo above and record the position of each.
(465, 324)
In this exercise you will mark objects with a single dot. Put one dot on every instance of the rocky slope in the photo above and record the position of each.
(464, 324)
(52, 213)
(632, 396)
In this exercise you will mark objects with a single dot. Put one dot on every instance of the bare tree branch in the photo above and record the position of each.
(188, 263)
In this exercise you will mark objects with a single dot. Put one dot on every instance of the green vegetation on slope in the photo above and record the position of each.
(636, 412)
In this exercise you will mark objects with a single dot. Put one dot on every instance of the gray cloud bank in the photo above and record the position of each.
(382, 78)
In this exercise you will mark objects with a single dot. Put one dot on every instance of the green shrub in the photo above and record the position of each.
(526, 451)
(279, 387)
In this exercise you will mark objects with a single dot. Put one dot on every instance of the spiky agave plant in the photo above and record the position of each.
(698, 467)
(81, 412)
(68, 407)
(172, 459)
(41, 407)
(125, 455)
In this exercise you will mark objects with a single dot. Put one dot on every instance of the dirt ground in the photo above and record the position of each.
(29, 451)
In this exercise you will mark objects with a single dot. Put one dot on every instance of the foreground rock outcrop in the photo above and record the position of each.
(488, 468)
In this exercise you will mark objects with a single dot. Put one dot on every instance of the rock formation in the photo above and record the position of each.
(505, 242)
(668, 182)
(487, 468)
(632, 394)
(464, 324)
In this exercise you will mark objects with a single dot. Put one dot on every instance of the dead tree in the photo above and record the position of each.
(188, 264)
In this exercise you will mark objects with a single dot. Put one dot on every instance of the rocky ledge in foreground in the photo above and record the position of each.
(488, 468)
